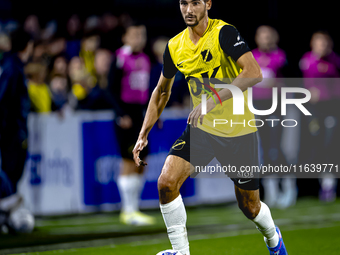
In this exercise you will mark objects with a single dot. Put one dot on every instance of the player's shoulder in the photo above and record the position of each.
(218, 24)
(226, 31)
(214, 25)
(226, 28)
(177, 39)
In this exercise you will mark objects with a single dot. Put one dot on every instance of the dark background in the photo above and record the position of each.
(294, 20)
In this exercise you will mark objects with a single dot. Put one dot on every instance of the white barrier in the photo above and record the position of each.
(74, 162)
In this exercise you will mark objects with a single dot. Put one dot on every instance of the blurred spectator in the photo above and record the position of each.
(59, 90)
(271, 60)
(89, 94)
(59, 66)
(111, 35)
(49, 31)
(81, 81)
(92, 23)
(125, 21)
(40, 52)
(179, 93)
(129, 83)
(8, 26)
(73, 36)
(14, 109)
(323, 125)
(5, 43)
(102, 63)
(56, 46)
(89, 45)
(38, 90)
(32, 26)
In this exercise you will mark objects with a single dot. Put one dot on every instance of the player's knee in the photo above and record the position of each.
(166, 184)
(167, 188)
(250, 209)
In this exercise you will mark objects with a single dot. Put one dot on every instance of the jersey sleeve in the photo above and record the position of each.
(169, 69)
(232, 43)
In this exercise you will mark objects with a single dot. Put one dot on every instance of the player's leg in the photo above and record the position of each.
(13, 157)
(175, 171)
(192, 148)
(130, 180)
(258, 212)
(130, 184)
(251, 206)
(243, 152)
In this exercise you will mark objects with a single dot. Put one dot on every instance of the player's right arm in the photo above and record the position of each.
(159, 98)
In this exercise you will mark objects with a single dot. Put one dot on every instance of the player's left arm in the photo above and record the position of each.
(234, 46)
(251, 74)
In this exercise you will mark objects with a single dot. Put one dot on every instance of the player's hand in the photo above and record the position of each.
(141, 143)
(125, 122)
(196, 114)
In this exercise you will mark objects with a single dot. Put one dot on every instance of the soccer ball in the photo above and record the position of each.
(21, 220)
(169, 252)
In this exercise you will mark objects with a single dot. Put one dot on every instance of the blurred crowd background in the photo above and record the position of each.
(75, 45)
(71, 62)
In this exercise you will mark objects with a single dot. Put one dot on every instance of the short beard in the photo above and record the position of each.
(197, 21)
(193, 25)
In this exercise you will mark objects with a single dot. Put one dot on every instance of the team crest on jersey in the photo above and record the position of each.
(178, 145)
(206, 55)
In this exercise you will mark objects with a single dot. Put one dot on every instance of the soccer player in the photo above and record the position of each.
(272, 60)
(216, 49)
(14, 109)
(316, 66)
(129, 84)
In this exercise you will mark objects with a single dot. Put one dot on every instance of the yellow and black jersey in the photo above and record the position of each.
(213, 59)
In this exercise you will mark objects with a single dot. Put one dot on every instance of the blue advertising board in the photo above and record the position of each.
(101, 160)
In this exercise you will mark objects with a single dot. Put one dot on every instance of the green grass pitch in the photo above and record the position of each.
(310, 227)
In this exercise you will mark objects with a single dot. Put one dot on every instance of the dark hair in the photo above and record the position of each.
(322, 32)
(134, 23)
(19, 39)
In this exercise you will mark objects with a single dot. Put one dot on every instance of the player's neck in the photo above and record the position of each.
(195, 33)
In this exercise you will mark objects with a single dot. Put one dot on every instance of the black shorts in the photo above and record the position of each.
(127, 138)
(199, 148)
